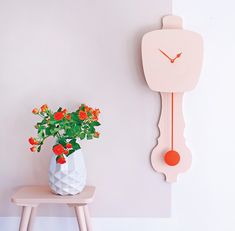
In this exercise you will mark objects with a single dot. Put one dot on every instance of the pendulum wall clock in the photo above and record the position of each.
(172, 61)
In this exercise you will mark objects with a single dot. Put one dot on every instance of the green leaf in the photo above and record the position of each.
(70, 132)
(39, 148)
(74, 117)
(62, 141)
(85, 126)
(73, 141)
(91, 129)
(52, 121)
(71, 152)
(76, 146)
(77, 128)
(48, 131)
(82, 135)
(40, 128)
(95, 123)
(41, 134)
(82, 107)
(89, 136)
(89, 113)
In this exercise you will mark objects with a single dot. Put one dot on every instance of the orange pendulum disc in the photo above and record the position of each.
(172, 157)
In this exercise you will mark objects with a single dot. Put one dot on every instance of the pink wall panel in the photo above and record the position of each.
(68, 52)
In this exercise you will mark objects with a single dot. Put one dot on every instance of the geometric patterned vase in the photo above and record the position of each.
(68, 178)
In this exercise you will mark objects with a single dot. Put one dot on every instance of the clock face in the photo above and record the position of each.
(172, 59)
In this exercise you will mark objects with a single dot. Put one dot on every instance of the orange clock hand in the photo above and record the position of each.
(172, 60)
(177, 56)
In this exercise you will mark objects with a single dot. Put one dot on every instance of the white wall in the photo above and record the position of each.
(204, 199)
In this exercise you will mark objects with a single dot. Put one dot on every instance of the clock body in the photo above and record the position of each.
(172, 59)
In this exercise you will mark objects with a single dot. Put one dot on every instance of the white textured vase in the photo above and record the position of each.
(68, 178)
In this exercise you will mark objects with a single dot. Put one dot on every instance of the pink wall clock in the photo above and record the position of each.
(172, 61)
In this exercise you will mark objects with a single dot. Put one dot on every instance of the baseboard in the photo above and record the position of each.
(99, 224)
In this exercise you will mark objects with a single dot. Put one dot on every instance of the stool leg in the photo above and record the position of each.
(25, 218)
(32, 218)
(88, 219)
(81, 218)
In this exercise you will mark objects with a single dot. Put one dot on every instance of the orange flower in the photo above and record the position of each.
(66, 152)
(33, 141)
(82, 115)
(96, 134)
(87, 109)
(68, 117)
(96, 112)
(33, 149)
(95, 118)
(61, 160)
(35, 111)
(59, 115)
(58, 149)
(64, 111)
(44, 108)
(68, 145)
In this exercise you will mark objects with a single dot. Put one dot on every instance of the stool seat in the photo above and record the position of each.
(30, 197)
(33, 195)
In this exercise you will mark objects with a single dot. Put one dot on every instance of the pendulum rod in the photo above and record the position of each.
(172, 121)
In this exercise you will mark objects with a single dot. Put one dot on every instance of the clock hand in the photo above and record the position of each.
(177, 56)
(166, 55)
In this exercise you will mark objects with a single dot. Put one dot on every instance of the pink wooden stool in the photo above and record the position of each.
(30, 197)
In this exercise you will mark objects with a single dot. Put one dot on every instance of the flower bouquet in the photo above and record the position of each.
(66, 127)
(67, 173)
